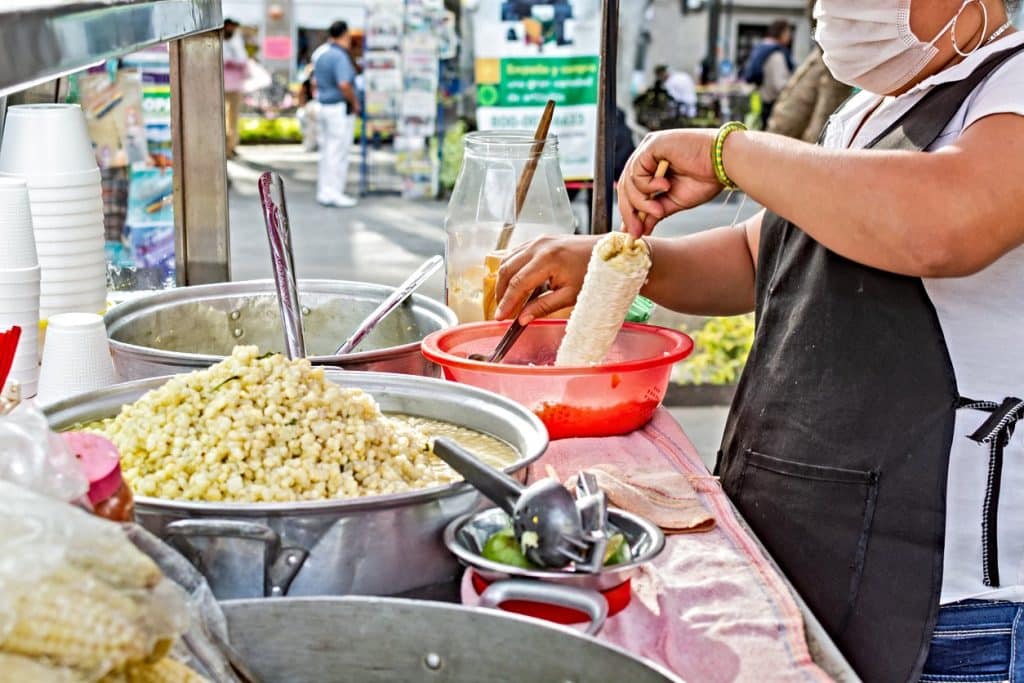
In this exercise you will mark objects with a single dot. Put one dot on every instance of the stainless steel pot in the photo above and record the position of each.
(377, 545)
(387, 640)
(184, 329)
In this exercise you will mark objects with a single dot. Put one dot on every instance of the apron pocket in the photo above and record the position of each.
(811, 516)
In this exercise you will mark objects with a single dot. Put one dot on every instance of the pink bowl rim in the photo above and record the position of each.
(682, 346)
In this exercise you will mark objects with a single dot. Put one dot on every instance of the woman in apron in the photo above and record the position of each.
(870, 443)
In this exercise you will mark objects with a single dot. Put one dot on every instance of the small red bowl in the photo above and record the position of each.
(618, 599)
(615, 397)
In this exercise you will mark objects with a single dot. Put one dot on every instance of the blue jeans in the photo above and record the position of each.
(977, 641)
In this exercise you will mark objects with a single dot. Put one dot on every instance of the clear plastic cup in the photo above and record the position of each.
(66, 208)
(46, 139)
(76, 357)
(16, 236)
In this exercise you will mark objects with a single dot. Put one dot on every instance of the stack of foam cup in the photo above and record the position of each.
(76, 357)
(48, 146)
(19, 282)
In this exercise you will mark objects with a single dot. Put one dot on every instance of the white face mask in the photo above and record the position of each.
(869, 44)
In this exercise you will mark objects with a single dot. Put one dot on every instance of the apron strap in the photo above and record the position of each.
(996, 432)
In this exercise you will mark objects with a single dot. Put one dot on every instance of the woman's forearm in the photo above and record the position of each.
(906, 212)
(710, 273)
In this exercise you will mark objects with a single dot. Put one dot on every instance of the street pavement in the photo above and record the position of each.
(385, 238)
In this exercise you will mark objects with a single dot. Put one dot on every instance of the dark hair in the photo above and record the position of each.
(230, 22)
(660, 69)
(337, 29)
(778, 28)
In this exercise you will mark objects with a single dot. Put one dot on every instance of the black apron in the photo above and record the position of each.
(837, 446)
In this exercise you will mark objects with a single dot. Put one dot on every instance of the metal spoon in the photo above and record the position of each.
(512, 334)
(544, 508)
(275, 215)
(401, 293)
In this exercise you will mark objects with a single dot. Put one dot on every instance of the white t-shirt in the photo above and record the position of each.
(982, 319)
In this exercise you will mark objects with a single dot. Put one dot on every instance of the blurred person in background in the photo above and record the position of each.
(680, 87)
(770, 66)
(334, 74)
(236, 70)
(807, 101)
(309, 110)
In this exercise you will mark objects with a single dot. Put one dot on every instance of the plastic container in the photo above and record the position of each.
(46, 139)
(65, 194)
(76, 357)
(613, 398)
(110, 496)
(90, 271)
(58, 180)
(91, 245)
(483, 201)
(68, 207)
(59, 262)
(19, 246)
(68, 234)
(68, 220)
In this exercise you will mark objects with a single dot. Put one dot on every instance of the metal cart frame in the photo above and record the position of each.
(43, 40)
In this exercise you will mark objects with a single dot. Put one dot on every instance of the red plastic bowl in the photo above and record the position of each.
(613, 398)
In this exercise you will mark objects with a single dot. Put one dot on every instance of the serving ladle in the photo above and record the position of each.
(279, 235)
(512, 334)
(544, 515)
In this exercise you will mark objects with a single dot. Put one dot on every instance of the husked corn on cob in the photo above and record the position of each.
(166, 670)
(616, 272)
(76, 620)
(19, 669)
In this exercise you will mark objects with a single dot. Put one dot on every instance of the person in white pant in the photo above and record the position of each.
(334, 74)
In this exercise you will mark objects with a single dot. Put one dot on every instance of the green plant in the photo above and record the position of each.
(721, 348)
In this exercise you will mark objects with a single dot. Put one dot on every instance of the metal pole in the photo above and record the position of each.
(714, 30)
(200, 168)
(604, 153)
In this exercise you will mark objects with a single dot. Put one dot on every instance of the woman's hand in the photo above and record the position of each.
(690, 180)
(561, 262)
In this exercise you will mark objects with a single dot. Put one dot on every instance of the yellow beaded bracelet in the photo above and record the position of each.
(716, 153)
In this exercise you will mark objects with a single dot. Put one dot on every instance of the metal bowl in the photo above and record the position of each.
(465, 538)
(374, 545)
(188, 328)
(386, 640)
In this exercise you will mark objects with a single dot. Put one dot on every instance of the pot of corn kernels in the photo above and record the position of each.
(483, 205)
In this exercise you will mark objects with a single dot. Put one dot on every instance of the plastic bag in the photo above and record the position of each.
(76, 593)
(37, 459)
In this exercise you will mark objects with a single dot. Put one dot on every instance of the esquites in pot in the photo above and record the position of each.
(266, 429)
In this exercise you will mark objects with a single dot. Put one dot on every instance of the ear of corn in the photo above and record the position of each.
(617, 270)
(75, 620)
(166, 670)
(19, 669)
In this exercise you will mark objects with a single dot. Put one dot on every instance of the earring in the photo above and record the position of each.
(984, 28)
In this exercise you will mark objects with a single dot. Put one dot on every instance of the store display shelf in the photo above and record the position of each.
(43, 39)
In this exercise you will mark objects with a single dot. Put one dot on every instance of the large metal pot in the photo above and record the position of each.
(387, 640)
(179, 330)
(376, 545)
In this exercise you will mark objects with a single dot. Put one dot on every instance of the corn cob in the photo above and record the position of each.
(166, 670)
(18, 669)
(75, 620)
(616, 272)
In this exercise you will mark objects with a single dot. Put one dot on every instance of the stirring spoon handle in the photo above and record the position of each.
(389, 304)
(500, 488)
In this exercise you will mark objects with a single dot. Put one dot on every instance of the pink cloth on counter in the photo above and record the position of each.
(711, 607)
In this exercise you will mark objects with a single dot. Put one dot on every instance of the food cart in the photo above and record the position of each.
(41, 40)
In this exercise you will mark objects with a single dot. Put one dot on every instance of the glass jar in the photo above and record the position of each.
(110, 496)
(483, 202)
